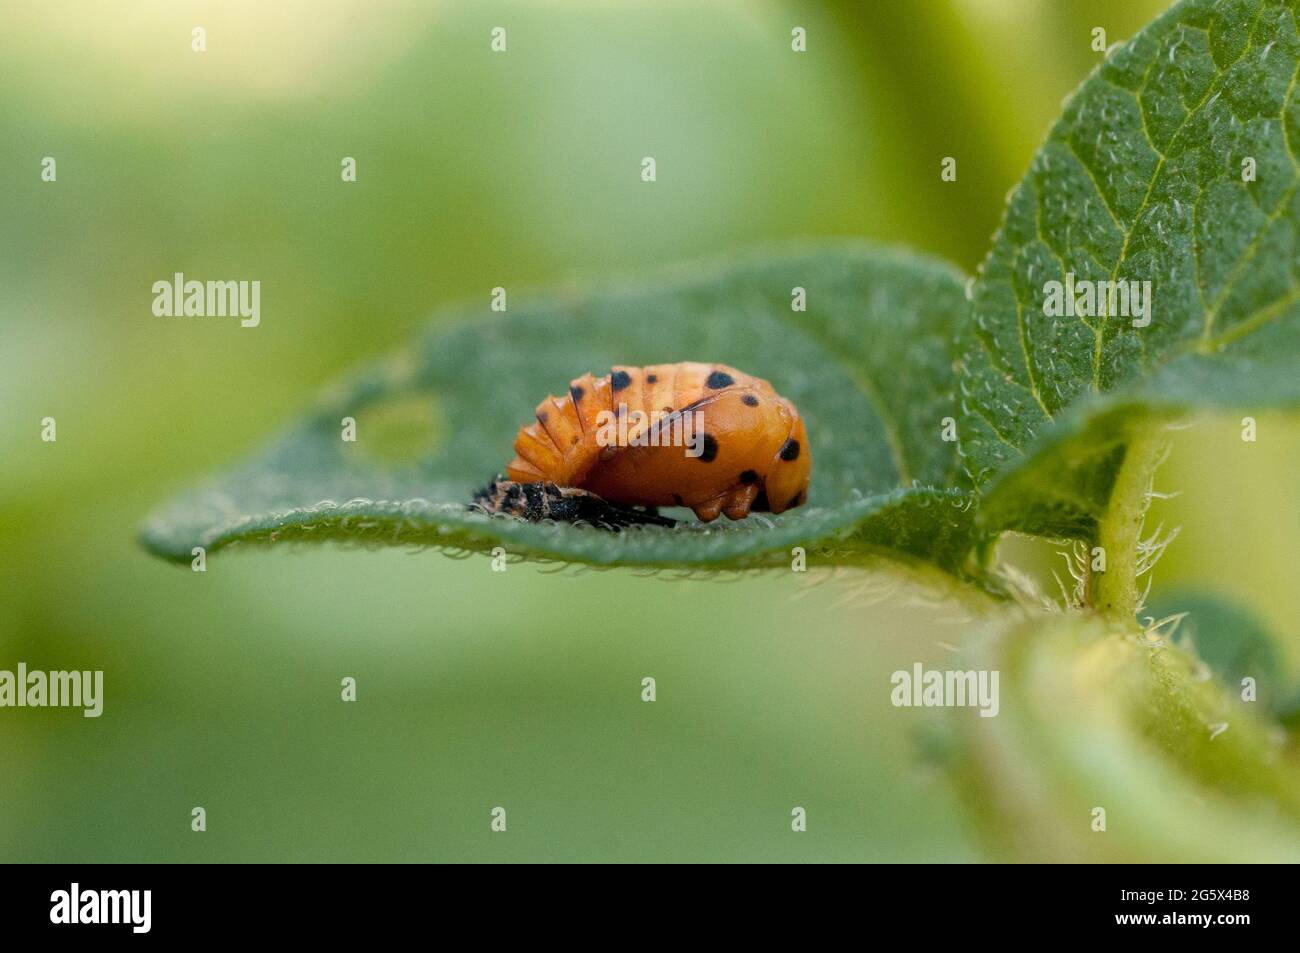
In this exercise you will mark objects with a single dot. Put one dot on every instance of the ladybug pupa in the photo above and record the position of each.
(616, 448)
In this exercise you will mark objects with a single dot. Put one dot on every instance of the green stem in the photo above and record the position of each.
(1115, 591)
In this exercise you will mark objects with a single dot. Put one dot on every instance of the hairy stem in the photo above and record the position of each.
(1115, 591)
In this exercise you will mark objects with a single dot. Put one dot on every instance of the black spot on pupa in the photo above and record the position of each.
(677, 498)
(790, 450)
(761, 504)
(577, 393)
(652, 378)
(749, 400)
(799, 498)
(710, 451)
(619, 380)
(748, 476)
(718, 380)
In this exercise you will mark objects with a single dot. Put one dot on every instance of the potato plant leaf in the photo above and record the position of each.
(1176, 164)
(869, 363)
(1229, 639)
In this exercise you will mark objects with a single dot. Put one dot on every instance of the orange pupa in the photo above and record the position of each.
(703, 436)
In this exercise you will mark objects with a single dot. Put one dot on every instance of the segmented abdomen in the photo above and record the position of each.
(562, 446)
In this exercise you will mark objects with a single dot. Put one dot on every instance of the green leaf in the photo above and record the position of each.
(1141, 179)
(1093, 716)
(869, 365)
(1228, 638)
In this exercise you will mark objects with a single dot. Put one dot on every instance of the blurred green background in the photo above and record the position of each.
(479, 689)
